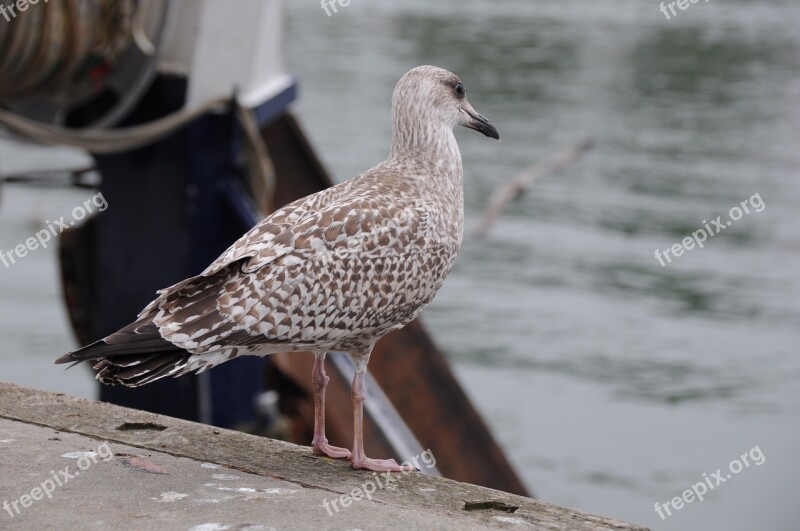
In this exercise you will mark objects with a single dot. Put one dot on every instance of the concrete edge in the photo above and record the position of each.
(282, 460)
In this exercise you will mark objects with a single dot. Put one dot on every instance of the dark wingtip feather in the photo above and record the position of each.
(133, 356)
(89, 352)
(66, 358)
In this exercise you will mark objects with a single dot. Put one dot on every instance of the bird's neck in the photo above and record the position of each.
(437, 159)
(434, 146)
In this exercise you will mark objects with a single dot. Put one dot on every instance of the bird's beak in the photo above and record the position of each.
(477, 121)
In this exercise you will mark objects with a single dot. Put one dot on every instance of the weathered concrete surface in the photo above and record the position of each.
(167, 473)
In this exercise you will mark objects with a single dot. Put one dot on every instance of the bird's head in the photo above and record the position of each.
(428, 98)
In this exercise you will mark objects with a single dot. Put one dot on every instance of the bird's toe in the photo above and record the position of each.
(323, 448)
(380, 465)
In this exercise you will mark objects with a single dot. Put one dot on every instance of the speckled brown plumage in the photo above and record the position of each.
(335, 270)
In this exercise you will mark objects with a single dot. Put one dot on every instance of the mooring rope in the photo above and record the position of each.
(108, 140)
(260, 171)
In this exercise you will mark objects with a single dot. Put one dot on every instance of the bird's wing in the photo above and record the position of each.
(262, 244)
(302, 276)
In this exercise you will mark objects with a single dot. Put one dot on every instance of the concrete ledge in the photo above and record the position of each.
(167, 473)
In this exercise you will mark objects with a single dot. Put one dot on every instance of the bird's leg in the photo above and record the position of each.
(358, 394)
(320, 381)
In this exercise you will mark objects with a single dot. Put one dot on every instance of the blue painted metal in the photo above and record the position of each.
(222, 210)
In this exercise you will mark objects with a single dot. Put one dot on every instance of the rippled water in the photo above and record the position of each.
(612, 382)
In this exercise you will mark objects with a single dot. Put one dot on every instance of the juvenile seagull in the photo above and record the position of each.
(334, 271)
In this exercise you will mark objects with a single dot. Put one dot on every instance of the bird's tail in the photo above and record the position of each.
(133, 356)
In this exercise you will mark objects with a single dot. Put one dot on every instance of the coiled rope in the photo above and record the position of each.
(61, 49)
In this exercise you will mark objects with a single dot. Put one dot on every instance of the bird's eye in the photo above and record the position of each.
(459, 90)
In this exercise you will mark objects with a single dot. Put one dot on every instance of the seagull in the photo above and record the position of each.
(333, 271)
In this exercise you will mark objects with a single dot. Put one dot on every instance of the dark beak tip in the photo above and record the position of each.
(488, 129)
(481, 124)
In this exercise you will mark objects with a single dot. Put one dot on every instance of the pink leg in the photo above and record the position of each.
(359, 459)
(320, 381)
